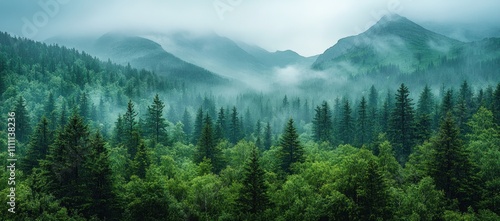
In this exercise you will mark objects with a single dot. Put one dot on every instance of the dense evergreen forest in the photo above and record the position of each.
(99, 141)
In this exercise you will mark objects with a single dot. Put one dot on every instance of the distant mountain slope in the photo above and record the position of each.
(225, 56)
(144, 53)
(210, 51)
(278, 58)
(394, 40)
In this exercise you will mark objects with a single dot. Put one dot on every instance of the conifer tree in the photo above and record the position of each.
(253, 199)
(198, 126)
(363, 125)
(221, 125)
(50, 111)
(322, 123)
(119, 131)
(234, 127)
(451, 167)
(373, 113)
(23, 128)
(346, 129)
(64, 166)
(268, 142)
(63, 115)
(38, 146)
(291, 150)
(141, 161)
(155, 121)
(248, 122)
(188, 124)
(424, 113)
(447, 105)
(104, 202)
(129, 120)
(84, 106)
(258, 135)
(207, 147)
(402, 125)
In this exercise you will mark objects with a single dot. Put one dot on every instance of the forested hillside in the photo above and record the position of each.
(100, 141)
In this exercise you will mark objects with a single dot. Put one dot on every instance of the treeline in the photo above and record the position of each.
(412, 170)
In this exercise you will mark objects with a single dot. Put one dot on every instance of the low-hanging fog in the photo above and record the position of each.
(308, 27)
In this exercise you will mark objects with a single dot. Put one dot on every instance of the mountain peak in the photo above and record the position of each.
(394, 24)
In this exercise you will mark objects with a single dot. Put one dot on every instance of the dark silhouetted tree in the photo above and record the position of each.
(155, 121)
(291, 151)
(451, 167)
(402, 125)
(322, 123)
(23, 127)
(253, 200)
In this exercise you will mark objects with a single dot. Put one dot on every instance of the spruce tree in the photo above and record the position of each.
(198, 126)
(447, 105)
(188, 124)
(207, 147)
(129, 120)
(291, 150)
(155, 121)
(268, 142)
(100, 179)
(248, 122)
(141, 161)
(84, 106)
(220, 125)
(373, 113)
(64, 166)
(424, 112)
(258, 135)
(402, 125)
(322, 124)
(451, 167)
(234, 127)
(23, 127)
(50, 111)
(364, 131)
(63, 115)
(119, 131)
(253, 200)
(38, 146)
(346, 127)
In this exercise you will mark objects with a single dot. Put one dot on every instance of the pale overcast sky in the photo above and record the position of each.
(306, 26)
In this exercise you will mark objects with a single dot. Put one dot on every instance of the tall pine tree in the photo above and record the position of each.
(322, 124)
(451, 166)
(38, 146)
(23, 127)
(155, 121)
(268, 141)
(402, 125)
(207, 147)
(291, 150)
(253, 199)
(346, 126)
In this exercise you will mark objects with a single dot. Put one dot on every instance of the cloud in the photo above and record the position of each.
(306, 26)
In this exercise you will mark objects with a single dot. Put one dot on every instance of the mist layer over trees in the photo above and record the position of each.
(100, 141)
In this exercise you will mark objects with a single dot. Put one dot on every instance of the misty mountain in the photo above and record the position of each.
(278, 58)
(224, 56)
(144, 53)
(141, 53)
(394, 40)
(464, 32)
